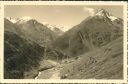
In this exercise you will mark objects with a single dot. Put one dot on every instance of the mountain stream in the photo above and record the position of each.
(52, 73)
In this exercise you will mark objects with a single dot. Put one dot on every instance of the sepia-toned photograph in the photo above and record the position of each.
(64, 42)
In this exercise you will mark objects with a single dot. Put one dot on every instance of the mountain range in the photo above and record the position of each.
(93, 32)
(58, 30)
(25, 39)
(29, 39)
(96, 44)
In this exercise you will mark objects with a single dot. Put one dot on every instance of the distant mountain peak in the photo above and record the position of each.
(19, 20)
(24, 19)
(104, 13)
(55, 28)
(13, 20)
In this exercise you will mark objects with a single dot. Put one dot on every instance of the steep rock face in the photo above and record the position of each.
(20, 56)
(9, 26)
(94, 32)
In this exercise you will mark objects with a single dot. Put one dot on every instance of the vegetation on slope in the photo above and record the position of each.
(103, 63)
(20, 56)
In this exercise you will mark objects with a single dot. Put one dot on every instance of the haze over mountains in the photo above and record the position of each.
(92, 36)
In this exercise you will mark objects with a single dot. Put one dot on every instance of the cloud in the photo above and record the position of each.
(89, 10)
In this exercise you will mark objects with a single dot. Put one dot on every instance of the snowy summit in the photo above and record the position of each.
(104, 13)
(24, 19)
(19, 20)
(13, 20)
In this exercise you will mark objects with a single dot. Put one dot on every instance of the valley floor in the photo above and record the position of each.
(52, 73)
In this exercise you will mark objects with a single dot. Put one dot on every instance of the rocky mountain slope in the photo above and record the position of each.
(27, 23)
(94, 32)
(20, 56)
(24, 47)
(33, 30)
(103, 63)
(58, 30)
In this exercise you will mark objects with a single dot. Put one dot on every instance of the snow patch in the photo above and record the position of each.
(113, 18)
(53, 27)
(104, 13)
(100, 13)
(19, 20)
(24, 19)
(13, 20)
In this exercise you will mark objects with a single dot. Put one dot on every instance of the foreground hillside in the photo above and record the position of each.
(105, 63)
(20, 56)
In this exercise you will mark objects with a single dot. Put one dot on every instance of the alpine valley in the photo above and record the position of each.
(92, 49)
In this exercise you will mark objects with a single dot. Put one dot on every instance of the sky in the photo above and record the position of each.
(65, 16)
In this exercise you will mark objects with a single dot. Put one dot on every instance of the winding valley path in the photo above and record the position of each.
(53, 73)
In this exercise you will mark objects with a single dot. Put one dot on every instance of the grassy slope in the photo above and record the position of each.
(103, 63)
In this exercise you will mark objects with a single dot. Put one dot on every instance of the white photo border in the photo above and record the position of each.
(3, 3)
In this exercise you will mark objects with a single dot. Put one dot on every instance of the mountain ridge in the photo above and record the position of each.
(94, 31)
(89, 47)
(23, 20)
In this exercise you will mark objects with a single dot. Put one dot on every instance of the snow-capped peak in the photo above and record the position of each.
(13, 20)
(54, 27)
(104, 13)
(24, 19)
(113, 18)
(51, 27)
(19, 20)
